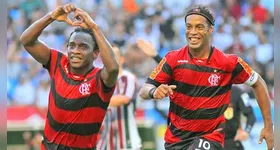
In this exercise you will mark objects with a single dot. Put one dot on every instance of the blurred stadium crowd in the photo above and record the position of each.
(243, 27)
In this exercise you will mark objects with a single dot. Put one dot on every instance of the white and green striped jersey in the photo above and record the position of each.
(119, 126)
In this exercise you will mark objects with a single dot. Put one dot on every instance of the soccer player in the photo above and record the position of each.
(239, 103)
(119, 127)
(80, 93)
(198, 79)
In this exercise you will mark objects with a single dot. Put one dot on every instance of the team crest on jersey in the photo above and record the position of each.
(214, 79)
(229, 113)
(84, 89)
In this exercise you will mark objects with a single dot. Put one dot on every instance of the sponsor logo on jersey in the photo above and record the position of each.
(182, 61)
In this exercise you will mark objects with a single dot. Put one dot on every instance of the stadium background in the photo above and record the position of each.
(243, 27)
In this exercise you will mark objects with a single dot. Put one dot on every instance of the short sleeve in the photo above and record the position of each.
(243, 73)
(104, 91)
(162, 74)
(54, 60)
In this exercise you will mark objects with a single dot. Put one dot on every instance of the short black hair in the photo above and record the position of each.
(204, 11)
(77, 30)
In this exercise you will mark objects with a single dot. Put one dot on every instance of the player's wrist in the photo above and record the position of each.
(152, 92)
(268, 124)
(94, 27)
(52, 15)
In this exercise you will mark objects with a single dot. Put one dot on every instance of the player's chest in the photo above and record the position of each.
(201, 75)
(70, 88)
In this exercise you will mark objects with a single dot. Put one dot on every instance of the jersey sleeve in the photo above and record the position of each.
(54, 61)
(102, 89)
(243, 73)
(162, 74)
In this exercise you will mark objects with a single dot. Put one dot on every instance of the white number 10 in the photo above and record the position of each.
(204, 144)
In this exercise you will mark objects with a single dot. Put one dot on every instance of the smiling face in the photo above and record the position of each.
(198, 31)
(80, 50)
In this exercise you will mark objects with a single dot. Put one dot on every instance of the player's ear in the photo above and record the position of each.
(211, 29)
(95, 54)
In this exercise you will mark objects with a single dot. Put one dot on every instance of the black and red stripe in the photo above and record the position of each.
(198, 102)
(73, 119)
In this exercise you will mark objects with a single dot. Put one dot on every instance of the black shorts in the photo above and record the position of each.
(230, 144)
(195, 144)
(204, 144)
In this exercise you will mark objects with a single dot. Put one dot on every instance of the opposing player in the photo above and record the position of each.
(239, 104)
(198, 79)
(119, 127)
(80, 93)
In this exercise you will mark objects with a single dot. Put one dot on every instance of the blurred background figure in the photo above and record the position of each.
(119, 129)
(235, 133)
(243, 27)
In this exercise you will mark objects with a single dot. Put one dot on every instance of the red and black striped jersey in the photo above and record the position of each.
(77, 106)
(202, 94)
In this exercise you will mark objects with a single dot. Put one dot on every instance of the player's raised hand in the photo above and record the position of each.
(163, 91)
(61, 13)
(267, 134)
(83, 19)
(147, 47)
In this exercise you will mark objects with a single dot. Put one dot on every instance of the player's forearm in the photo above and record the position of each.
(262, 96)
(106, 51)
(251, 119)
(31, 34)
(118, 100)
(144, 91)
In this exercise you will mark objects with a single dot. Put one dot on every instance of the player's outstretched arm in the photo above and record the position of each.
(261, 93)
(29, 37)
(149, 91)
(111, 67)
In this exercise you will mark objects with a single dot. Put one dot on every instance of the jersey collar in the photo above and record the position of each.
(209, 57)
(78, 77)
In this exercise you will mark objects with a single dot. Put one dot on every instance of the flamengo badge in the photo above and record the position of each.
(214, 80)
(84, 89)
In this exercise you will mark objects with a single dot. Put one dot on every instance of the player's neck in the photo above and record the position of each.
(202, 53)
(81, 71)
